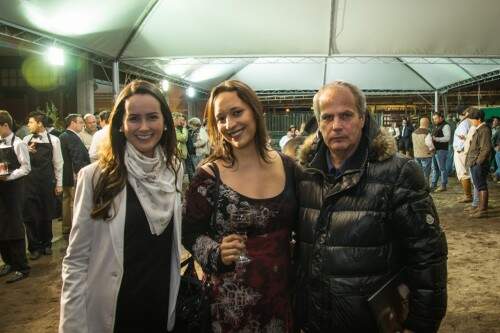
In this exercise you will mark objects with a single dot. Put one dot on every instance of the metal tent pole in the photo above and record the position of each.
(436, 101)
(116, 79)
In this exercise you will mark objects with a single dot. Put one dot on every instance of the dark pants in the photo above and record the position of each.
(405, 146)
(38, 228)
(13, 253)
(479, 174)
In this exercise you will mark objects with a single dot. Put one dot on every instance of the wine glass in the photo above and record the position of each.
(4, 168)
(240, 221)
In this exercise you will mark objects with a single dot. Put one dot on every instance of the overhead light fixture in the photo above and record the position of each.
(190, 92)
(55, 56)
(165, 85)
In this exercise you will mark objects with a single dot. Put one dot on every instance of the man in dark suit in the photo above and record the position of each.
(405, 144)
(75, 157)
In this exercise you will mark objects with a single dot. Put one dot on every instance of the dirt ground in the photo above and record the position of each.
(32, 305)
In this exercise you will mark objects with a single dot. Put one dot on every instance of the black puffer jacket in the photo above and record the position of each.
(358, 230)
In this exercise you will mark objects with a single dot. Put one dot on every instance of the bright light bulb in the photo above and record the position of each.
(165, 85)
(55, 56)
(190, 92)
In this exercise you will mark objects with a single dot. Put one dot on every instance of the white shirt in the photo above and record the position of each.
(97, 140)
(461, 130)
(23, 156)
(57, 159)
(284, 139)
(201, 143)
(86, 138)
(394, 131)
(446, 134)
(468, 139)
(428, 142)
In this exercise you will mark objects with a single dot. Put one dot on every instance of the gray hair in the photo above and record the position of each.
(194, 122)
(359, 97)
(87, 116)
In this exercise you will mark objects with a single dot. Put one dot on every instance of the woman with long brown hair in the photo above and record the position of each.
(121, 269)
(240, 230)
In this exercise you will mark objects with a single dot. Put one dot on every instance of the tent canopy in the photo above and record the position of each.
(280, 44)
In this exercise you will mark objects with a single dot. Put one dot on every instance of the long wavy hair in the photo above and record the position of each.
(221, 148)
(112, 173)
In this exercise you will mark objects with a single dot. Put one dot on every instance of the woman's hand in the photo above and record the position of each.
(231, 248)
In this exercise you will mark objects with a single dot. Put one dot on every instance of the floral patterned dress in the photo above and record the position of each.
(254, 297)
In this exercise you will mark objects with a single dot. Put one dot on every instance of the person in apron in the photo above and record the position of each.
(42, 184)
(15, 165)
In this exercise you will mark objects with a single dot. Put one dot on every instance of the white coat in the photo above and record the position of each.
(92, 269)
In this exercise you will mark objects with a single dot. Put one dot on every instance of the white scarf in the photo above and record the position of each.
(154, 184)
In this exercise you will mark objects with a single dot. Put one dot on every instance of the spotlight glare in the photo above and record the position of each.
(55, 56)
(165, 85)
(190, 92)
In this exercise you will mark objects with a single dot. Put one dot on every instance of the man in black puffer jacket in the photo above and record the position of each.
(365, 214)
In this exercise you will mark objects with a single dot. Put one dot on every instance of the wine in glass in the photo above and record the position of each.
(240, 221)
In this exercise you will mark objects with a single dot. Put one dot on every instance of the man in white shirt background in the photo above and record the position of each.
(99, 136)
(89, 130)
(15, 161)
(463, 127)
(42, 184)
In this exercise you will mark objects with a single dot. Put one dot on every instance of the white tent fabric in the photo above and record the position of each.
(280, 44)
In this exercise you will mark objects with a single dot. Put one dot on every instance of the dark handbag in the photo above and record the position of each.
(389, 305)
(193, 302)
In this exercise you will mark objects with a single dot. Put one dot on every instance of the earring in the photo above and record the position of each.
(165, 128)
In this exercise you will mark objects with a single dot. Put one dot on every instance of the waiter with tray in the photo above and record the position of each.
(14, 166)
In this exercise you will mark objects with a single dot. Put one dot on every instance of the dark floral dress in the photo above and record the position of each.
(254, 297)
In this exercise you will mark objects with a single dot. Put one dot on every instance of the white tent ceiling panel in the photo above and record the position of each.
(476, 70)
(207, 76)
(440, 75)
(426, 27)
(282, 76)
(97, 25)
(291, 37)
(377, 76)
(177, 28)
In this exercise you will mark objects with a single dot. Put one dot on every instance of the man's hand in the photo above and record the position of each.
(32, 147)
(231, 248)
(3, 178)
(58, 190)
(407, 331)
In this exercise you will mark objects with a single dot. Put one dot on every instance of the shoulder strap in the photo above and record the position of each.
(215, 198)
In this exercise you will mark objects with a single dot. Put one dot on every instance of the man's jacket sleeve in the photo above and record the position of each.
(416, 223)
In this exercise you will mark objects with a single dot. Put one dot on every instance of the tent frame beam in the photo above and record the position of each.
(330, 39)
(137, 26)
(483, 78)
(462, 68)
(414, 71)
(320, 59)
(35, 42)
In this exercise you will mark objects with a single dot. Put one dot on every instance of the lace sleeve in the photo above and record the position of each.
(197, 233)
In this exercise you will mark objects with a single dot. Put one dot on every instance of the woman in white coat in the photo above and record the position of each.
(121, 272)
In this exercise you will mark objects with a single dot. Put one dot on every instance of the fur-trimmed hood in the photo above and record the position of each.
(382, 145)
